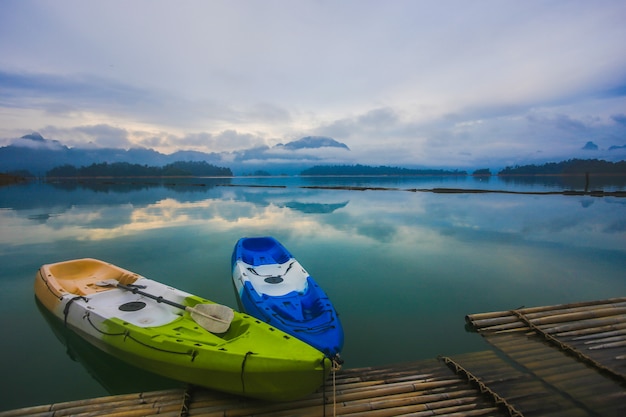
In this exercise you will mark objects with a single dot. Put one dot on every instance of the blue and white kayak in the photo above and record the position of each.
(272, 286)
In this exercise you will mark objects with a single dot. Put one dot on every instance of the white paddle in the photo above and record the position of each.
(215, 318)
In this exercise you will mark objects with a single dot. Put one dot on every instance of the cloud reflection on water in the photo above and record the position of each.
(384, 216)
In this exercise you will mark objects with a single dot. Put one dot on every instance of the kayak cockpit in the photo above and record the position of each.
(263, 251)
(82, 276)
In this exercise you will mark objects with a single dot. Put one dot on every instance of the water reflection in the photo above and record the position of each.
(386, 258)
(126, 185)
(385, 216)
(569, 182)
(115, 376)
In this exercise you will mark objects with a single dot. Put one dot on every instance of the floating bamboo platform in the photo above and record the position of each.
(565, 360)
(577, 351)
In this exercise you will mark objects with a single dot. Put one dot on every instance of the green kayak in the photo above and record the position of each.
(176, 334)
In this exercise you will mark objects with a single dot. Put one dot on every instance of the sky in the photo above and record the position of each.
(441, 83)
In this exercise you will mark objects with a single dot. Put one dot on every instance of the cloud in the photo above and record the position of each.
(557, 121)
(106, 136)
(62, 93)
(227, 140)
(411, 82)
(102, 136)
(619, 118)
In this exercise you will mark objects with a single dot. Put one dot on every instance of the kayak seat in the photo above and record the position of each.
(263, 251)
(300, 307)
(287, 306)
(280, 256)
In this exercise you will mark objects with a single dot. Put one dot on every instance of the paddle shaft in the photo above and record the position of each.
(158, 299)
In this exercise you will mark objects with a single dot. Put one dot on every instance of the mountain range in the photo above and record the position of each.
(36, 154)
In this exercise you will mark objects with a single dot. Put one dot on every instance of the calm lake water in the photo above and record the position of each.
(403, 268)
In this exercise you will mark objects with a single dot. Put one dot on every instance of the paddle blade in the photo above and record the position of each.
(216, 318)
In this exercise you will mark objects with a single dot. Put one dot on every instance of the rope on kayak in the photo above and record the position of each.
(66, 309)
(127, 335)
(336, 366)
(45, 281)
(336, 363)
(243, 366)
(324, 386)
(186, 403)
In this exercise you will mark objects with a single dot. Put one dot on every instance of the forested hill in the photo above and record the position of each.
(570, 167)
(370, 170)
(124, 169)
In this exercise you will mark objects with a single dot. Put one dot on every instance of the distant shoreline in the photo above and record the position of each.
(7, 179)
(595, 193)
(438, 190)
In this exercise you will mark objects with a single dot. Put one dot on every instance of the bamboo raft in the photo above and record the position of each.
(419, 388)
(576, 350)
(565, 360)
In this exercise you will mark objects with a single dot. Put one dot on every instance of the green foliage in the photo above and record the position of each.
(370, 170)
(197, 169)
(63, 171)
(11, 178)
(569, 167)
(258, 173)
(124, 169)
(480, 172)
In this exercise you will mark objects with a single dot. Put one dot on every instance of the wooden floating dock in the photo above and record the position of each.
(565, 360)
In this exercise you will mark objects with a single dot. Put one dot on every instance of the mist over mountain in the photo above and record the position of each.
(312, 142)
(36, 154)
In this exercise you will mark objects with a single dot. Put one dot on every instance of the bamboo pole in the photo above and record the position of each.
(415, 397)
(411, 389)
(608, 345)
(206, 405)
(382, 403)
(447, 408)
(618, 338)
(389, 389)
(545, 318)
(122, 409)
(477, 357)
(562, 307)
(39, 410)
(523, 345)
(572, 308)
(561, 362)
(593, 330)
(147, 400)
(517, 326)
(130, 411)
(491, 411)
(494, 321)
(583, 324)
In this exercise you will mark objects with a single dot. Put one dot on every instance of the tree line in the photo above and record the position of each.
(569, 167)
(125, 169)
(374, 170)
(204, 169)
